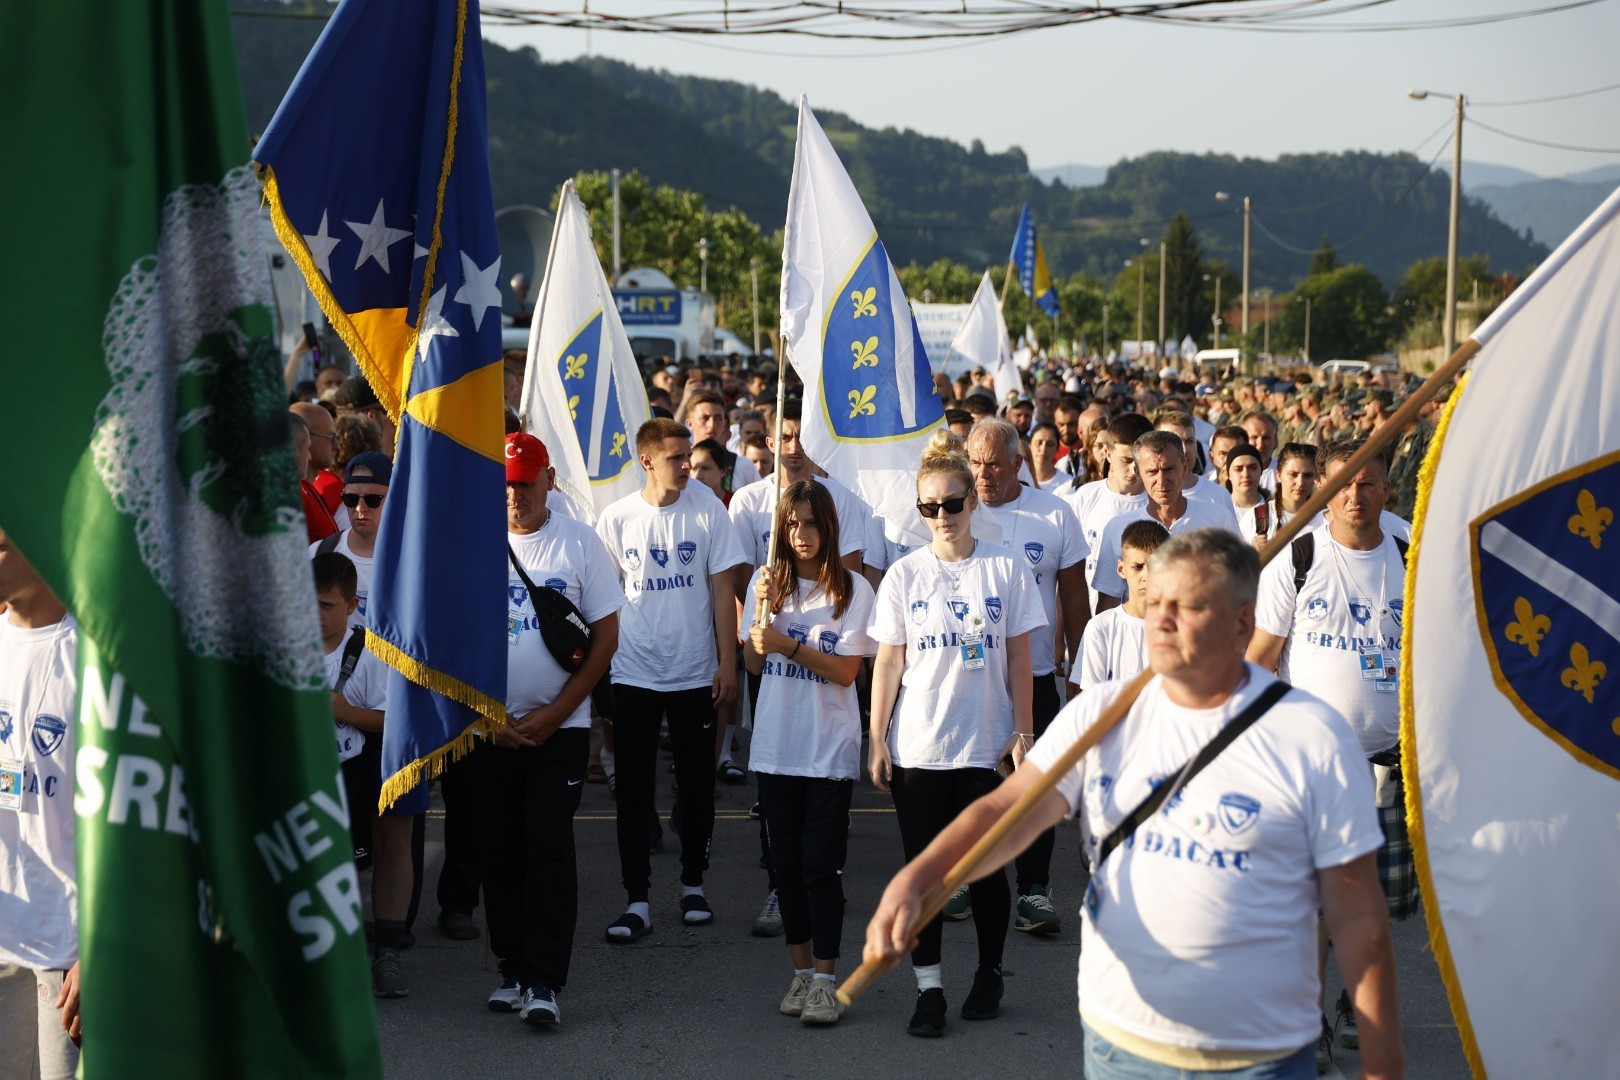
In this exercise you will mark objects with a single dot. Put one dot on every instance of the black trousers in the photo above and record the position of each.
(925, 802)
(1034, 865)
(753, 682)
(635, 742)
(807, 819)
(458, 875)
(522, 815)
(362, 782)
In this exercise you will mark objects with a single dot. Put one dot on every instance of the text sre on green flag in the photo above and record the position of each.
(150, 478)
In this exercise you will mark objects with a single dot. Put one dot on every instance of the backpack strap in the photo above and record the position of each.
(351, 658)
(1304, 551)
(1401, 546)
(329, 544)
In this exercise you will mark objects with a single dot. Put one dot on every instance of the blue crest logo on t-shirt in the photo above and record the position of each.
(1034, 552)
(1316, 610)
(800, 633)
(1397, 609)
(687, 550)
(1361, 610)
(959, 608)
(517, 592)
(632, 558)
(556, 583)
(48, 734)
(1238, 813)
(992, 606)
(828, 641)
(6, 724)
(919, 612)
(660, 555)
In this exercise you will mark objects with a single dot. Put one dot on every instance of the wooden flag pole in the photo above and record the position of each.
(762, 612)
(967, 867)
(1006, 282)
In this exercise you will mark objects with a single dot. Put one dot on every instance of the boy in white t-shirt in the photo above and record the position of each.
(1115, 642)
(677, 657)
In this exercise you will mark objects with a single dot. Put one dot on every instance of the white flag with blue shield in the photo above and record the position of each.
(1510, 737)
(582, 393)
(870, 403)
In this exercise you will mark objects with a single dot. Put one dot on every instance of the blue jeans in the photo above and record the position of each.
(1105, 1061)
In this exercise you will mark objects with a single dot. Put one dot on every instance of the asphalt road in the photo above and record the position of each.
(702, 1002)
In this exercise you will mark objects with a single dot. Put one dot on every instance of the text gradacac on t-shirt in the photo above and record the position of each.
(947, 716)
(1351, 607)
(804, 724)
(565, 555)
(666, 556)
(1219, 889)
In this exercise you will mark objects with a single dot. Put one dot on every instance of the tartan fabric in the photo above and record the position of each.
(1396, 871)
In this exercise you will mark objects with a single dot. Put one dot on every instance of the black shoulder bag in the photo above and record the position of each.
(1161, 794)
(566, 634)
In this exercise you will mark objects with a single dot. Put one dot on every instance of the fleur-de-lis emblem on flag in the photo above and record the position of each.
(573, 407)
(863, 301)
(865, 353)
(1528, 628)
(1584, 673)
(576, 366)
(1592, 520)
(860, 402)
(618, 445)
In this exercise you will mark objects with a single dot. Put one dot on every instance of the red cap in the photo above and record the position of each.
(526, 458)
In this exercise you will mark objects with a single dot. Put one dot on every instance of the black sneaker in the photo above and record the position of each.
(929, 1019)
(387, 976)
(984, 1000)
(1344, 1022)
(1324, 1048)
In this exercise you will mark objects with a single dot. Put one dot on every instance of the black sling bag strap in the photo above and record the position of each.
(1224, 738)
(565, 633)
(351, 658)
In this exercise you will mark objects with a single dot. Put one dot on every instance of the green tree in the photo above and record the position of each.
(1420, 298)
(1350, 316)
(1326, 260)
(1186, 306)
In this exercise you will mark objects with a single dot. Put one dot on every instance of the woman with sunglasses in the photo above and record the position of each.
(807, 732)
(1251, 501)
(951, 697)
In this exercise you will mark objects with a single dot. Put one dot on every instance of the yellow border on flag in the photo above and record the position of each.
(1409, 757)
(1491, 653)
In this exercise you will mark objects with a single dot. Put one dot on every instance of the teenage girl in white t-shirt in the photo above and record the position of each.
(1250, 501)
(807, 732)
(951, 695)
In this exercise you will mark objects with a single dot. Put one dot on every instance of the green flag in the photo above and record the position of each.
(149, 477)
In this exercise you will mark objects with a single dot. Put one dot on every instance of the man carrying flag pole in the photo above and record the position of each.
(379, 189)
(218, 910)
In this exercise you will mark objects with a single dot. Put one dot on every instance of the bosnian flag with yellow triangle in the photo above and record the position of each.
(378, 181)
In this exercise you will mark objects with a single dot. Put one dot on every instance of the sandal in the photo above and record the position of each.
(732, 773)
(632, 925)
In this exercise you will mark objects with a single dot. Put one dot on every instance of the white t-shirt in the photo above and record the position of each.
(882, 552)
(743, 473)
(568, 556)
(1095, 505)
(1114, 646)
(1040, 527)
(805, 725)
(1205, 491)
(1248, 519)
(753, 507)
(559, 501)
(367, 688)
(947, 717)
(1220, 890)
(362, 574)
(1197, 515)
(666, 556)
(1350, 607)
(39, 895)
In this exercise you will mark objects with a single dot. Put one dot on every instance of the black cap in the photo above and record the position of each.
(356, 393)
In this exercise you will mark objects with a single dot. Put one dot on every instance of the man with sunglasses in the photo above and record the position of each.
(365, 489)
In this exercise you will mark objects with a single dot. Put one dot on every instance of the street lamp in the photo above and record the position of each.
(753, 272)
(1307, 326)
(1449, 321)
(1162, 261)
(1216, 317)
(1247, 208)
(703, 264)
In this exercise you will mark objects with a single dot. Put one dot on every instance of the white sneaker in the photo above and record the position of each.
(821, 1005)
(798, 989)
(540, 1006)
(768, 923)
(508, 997)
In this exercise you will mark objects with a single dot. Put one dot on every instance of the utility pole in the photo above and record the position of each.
(1141, 285)
(1247, 206)
(1451, 241)
(1217, 316)
(753, 270)
(1162, 251)
(617, 267)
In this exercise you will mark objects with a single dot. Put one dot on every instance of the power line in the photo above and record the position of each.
(1373, 179)
(1539, 142)
(1543, 100)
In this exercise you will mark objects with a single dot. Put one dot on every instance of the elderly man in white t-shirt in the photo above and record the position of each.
(1198, 937)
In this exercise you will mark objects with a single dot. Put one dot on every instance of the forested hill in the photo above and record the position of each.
(931, 197)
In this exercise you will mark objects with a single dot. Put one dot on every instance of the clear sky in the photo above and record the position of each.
(1093, 94)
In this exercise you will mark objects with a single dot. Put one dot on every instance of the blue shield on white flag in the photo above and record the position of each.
(870, 403)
